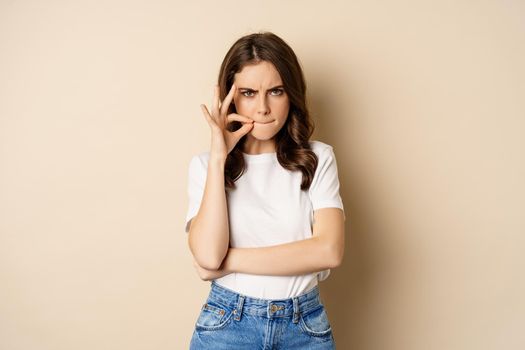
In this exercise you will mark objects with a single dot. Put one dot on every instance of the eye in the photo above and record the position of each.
(279, 92)
(247, 92)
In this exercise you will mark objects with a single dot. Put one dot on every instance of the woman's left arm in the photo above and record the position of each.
(324, 250)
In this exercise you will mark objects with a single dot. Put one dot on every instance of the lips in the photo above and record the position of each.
(263, 122)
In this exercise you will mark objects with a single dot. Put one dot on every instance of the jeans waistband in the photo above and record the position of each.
(265, 307)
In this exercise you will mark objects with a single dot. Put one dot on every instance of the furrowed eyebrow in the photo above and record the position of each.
(273, 88)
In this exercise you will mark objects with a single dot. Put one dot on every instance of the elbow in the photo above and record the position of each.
(336, 262)
(204, 256)
(203, 259)
(335, 256)
(203, 274)
(204, 277)
(214, 265)
(207, 263)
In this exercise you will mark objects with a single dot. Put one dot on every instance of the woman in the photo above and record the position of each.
(265, 218)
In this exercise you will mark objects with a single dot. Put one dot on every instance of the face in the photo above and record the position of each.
(260, 96)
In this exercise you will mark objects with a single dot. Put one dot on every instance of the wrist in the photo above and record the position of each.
(218, 161)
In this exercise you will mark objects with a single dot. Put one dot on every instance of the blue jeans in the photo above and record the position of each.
(233, 321)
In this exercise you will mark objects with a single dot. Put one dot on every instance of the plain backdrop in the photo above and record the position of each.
(423, 102)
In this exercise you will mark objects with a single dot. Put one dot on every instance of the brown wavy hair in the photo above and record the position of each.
(292, 141)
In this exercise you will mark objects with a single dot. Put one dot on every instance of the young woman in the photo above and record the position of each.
(265, 218)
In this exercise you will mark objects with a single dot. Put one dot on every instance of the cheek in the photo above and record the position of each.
(243, 105)
(281, 107)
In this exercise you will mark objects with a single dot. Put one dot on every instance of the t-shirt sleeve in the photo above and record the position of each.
(322, 275)
(324, 190)
(197, 172)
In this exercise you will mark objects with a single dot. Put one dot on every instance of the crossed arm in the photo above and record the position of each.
(324, 250)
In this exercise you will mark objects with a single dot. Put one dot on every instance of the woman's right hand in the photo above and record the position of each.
(223, 140)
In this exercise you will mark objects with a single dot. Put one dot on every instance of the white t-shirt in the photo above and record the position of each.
(269, 208)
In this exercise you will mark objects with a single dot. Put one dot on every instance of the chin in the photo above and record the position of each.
(261, 136)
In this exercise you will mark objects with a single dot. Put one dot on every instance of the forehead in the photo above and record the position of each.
(255, 75)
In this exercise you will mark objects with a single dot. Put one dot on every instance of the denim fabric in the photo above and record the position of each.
(229, 320)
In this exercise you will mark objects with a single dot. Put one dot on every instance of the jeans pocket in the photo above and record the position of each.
(315, 323)
(213, 316)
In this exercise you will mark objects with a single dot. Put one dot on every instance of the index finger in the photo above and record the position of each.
(227, 100)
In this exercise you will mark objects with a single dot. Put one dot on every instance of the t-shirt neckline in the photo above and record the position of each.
(261, 157)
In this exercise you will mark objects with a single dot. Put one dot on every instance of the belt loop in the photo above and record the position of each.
(296, 310)
(238, 309)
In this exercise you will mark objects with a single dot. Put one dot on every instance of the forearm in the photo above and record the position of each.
(209, 232)
(288, 259)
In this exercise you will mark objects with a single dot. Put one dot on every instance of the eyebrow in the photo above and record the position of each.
(272, 88)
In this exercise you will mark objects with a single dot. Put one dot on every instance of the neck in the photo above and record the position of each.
(253, 146)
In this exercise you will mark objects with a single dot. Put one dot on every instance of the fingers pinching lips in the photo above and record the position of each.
(240, 118)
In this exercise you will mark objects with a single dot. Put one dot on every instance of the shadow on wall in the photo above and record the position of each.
(348, 291)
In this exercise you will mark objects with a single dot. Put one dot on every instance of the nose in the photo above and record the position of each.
(263, 108)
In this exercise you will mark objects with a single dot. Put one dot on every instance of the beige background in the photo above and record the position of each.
(99, 117)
